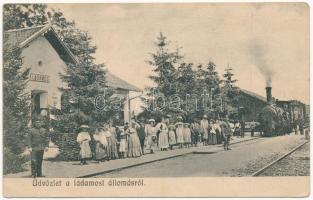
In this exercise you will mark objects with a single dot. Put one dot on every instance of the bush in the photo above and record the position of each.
(68, 147)
(12, 163)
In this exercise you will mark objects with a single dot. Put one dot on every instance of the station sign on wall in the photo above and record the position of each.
(39, 78)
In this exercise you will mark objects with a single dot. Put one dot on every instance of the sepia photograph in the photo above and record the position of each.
(116, 95)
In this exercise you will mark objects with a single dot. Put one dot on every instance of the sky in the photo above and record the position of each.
(263, 43)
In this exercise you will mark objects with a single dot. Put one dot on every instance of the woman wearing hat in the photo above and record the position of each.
(212, 133)
(134, 147)
(171, 136)
(163, 136)
(180, 134)
(114, 150)
(196, 132)
(151, 135)
(187, 135)
(123, 142)
(101, 144)
(108, 136)
(205, 129)
(83, 139)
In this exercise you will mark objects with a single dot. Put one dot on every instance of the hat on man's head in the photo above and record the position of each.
(84, 126)
(205, 116)
(180, 118)
(179, 123)
(151, 120)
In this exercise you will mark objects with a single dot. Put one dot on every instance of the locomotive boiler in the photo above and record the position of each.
(273, 119)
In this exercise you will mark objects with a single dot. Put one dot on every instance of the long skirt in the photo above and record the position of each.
(85, 151)
(172, 138)
(205, 136)
(150, 143)
(134, 147)
(218, 137)
(114, 150)
(163, 140)
(101, 152)
(214, 139)
(109, 148)
(195, 138)
(187, 137)
(237, 132)
(180, 137)
(210, 138)
(123, 145)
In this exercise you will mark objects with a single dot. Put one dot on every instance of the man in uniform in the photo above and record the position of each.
(38, 142)
(226, 132)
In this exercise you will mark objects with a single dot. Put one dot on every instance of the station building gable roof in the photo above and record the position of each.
(22, 37)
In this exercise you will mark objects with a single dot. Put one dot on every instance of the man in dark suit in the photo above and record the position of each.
(38, 142)
(141, 134)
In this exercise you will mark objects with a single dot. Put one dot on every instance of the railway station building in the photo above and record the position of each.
(46, 55)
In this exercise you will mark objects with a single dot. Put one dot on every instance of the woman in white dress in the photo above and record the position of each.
(83, 139)
(163, 139)
(180, 134)
(151, 138)
(204, 124)
(187, 135)
(123, 142)
(101, 144)
(163, 136)
(171, 136)
(134, 147)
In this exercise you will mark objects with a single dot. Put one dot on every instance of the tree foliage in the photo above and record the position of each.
(85, 79)
(16, 112)
(230, 93)
(188, 90)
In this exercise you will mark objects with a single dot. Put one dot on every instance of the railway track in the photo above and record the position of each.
(265, 168)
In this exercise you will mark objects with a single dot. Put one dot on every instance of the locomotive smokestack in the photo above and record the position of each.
(269, 94)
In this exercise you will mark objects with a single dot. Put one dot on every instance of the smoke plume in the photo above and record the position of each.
(259, 52)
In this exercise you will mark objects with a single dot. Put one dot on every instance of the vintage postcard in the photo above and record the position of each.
(156, 100)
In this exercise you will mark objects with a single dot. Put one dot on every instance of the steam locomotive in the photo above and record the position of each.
(278, 119)
(275, 121)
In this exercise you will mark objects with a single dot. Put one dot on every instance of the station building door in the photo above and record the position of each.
(39, 103)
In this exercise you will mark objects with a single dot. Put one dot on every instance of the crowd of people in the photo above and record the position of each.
(137, 137)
